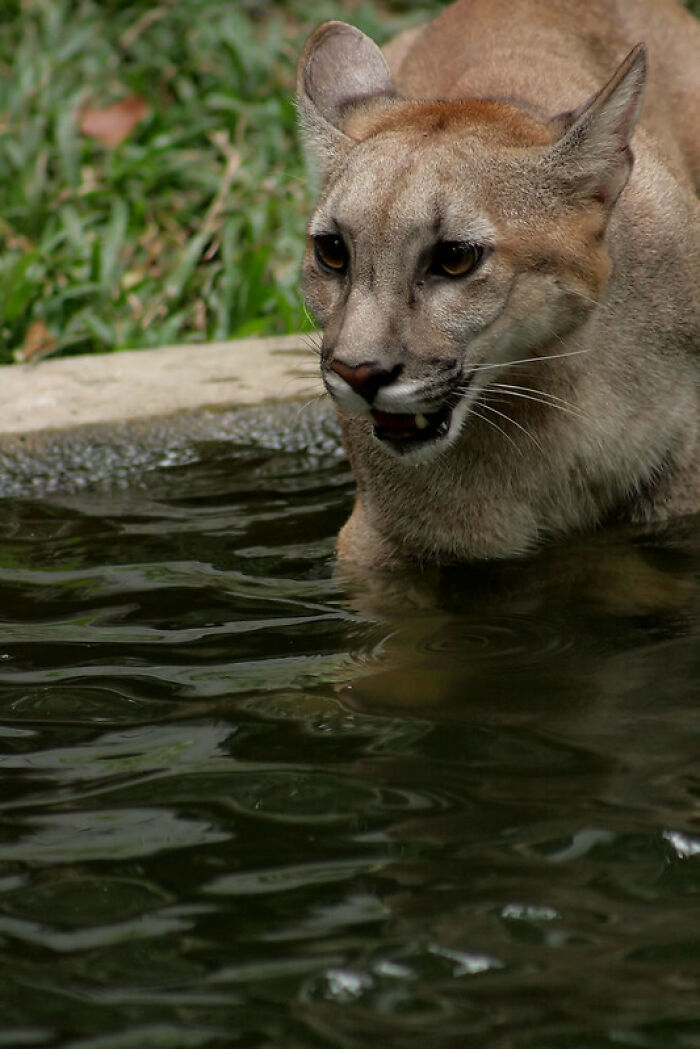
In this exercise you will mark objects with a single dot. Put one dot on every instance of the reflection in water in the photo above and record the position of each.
(571, 635)
(249, 799)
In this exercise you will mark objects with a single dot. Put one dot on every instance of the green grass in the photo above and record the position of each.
(192, 228)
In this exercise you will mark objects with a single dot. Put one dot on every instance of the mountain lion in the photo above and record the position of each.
(507, 280)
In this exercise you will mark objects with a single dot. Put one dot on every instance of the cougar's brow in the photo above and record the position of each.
(501, 122)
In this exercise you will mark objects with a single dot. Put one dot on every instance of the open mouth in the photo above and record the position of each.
(404, 431)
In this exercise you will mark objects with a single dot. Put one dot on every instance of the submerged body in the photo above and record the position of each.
(506, 275)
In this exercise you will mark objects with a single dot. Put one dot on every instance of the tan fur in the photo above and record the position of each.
(557, 382)
(494, 121)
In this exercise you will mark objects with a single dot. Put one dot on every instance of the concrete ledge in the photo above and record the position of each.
(145, 384)
(80, 420)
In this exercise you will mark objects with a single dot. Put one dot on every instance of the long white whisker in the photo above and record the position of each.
(552, 401)
(490, 422)
(540, 398)
(530, 360)
(587, 298)
(489, 408)
(534, 389)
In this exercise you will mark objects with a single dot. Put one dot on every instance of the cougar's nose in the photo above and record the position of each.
(366, 379)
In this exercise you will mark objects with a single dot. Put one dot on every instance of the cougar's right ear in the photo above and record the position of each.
(592, 159)
(339, 66)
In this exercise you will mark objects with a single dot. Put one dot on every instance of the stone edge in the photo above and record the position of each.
(62, 421)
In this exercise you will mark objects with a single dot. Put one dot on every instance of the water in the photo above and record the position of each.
(249, 801)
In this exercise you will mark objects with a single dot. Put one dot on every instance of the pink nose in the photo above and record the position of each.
(366, 379)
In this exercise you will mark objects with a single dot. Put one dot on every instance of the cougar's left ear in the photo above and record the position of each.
(338, 67)
(592, 158)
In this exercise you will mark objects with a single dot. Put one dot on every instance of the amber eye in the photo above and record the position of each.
(455, 258)
(331, 253)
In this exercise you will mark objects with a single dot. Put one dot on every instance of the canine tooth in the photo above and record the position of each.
(421, 422)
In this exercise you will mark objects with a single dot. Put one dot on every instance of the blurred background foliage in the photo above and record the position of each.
(151, 185)
(186, 224)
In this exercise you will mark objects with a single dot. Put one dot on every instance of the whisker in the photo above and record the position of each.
(473, 411)
(530, 360)
(540, 397)
(309, 344)
(552, 401)
(307, 404)
(534, 389)
(489, 408)
(587, 298)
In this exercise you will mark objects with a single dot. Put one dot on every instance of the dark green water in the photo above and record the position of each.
(248, 802)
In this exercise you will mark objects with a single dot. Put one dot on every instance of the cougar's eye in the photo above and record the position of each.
(331, 253)
(455, 258)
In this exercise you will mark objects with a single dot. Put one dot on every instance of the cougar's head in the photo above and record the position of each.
(451, 238)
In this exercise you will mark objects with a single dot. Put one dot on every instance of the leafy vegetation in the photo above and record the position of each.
(190, 228)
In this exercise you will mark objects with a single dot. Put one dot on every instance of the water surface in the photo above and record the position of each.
(250, 801)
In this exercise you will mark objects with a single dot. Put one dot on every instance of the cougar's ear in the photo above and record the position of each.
(592, 159)
(338, 67)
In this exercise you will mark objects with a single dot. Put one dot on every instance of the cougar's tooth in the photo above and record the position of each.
(421, 422)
